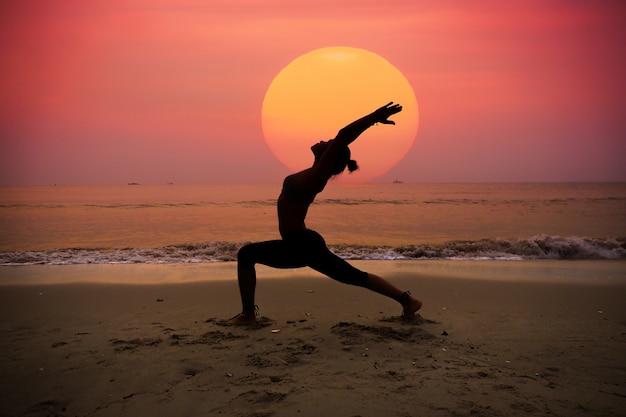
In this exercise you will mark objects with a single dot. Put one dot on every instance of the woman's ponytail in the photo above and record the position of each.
(352, 165)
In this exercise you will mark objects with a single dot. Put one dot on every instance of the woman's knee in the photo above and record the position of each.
(245, 255)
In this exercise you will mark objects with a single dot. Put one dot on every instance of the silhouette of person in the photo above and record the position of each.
(301, 246)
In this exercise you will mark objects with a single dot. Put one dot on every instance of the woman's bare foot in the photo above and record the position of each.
(244, 318)
(410, 305)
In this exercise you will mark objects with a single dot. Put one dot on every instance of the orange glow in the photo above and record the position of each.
(322, 91)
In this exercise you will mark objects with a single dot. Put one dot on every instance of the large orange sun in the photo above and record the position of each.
(320, 92)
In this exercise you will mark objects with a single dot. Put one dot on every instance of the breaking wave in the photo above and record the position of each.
(537, 247)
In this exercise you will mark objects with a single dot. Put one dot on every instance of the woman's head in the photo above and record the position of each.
(343, 158)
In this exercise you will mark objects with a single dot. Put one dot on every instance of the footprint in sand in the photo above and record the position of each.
(354, 331)
(215, 337)
(133, 344)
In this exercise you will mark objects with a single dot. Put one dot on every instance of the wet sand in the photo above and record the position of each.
(493, 339)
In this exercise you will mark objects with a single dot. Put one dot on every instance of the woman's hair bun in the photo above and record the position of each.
(352, 165)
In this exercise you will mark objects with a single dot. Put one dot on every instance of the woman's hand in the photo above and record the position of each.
(348, 134)
(382, 114)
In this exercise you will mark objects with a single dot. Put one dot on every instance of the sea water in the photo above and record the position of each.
(209, 223)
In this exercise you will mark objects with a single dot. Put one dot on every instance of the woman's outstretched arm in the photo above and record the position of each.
(348, 134)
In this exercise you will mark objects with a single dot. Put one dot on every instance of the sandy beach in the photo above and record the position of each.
(544, 338)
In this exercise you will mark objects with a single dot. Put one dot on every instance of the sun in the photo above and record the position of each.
(321, 91)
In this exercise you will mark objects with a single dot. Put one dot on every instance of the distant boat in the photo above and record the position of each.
(397, 182)
(133, 183)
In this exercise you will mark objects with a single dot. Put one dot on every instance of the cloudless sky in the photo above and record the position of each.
(156, 91)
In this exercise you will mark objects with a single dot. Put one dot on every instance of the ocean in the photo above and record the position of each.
(63, 225)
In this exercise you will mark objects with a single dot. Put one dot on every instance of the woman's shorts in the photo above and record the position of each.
(298, 249)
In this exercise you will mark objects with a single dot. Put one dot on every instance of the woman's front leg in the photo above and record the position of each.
(246, 277)
(274, 253)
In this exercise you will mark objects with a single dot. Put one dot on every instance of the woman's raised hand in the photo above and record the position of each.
(382, 114)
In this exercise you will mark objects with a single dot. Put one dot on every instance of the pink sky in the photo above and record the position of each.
(156, 91)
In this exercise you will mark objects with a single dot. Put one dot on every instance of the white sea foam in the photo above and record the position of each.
(537, 247)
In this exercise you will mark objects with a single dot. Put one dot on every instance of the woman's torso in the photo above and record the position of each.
(293, 203)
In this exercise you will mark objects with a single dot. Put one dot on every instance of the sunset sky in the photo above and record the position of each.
(156, 91)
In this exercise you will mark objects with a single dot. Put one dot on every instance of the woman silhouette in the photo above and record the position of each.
(300, 246)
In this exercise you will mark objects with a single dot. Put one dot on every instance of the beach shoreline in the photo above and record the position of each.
(567, 271)
(494, 338)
